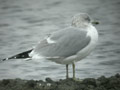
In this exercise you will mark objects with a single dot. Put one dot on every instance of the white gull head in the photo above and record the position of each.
(81, 20)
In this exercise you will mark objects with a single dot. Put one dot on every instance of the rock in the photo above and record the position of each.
(49, 80)
(89, 81)
(102, 83)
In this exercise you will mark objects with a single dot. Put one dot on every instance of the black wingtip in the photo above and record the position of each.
(22, 55)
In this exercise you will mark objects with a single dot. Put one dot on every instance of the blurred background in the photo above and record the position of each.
(23, 23)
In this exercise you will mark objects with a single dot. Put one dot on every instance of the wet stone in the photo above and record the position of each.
(89, 81)
(49, 80)
(5, 82)
(102, 83)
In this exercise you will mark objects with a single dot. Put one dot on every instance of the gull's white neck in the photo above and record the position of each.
(92, 32)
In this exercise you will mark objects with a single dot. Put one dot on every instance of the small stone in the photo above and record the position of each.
(5, 82)
(49, 80)
(89, 81)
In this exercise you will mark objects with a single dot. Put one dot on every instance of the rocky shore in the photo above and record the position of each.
(101, 83)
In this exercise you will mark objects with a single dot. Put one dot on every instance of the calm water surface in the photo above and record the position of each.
(25, 22)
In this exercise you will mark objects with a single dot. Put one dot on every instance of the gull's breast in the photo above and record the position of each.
(92, 32)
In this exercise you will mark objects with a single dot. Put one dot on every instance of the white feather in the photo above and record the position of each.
(50, 41)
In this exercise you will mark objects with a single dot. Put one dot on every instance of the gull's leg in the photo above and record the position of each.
(73, 65)
(67, 76)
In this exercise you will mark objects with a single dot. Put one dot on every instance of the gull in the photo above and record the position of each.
(66, 46)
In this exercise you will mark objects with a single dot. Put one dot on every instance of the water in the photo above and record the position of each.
(25, 22)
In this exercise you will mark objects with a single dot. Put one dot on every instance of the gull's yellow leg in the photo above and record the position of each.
(67, 76)
(73, 65)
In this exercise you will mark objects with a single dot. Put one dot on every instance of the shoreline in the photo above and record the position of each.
(101, 83)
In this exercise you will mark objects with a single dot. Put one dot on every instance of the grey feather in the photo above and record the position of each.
(68, 42)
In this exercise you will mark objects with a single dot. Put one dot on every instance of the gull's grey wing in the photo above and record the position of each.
(67, 42)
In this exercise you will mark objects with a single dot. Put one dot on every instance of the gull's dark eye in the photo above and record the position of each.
(87, 19)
